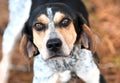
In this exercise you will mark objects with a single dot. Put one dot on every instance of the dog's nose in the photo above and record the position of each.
(54, 44)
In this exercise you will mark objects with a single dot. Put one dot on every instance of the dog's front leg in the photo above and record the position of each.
(86, 68)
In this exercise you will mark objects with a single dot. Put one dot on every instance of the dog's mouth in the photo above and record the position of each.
(55, 56)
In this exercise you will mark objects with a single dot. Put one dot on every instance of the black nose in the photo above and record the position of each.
(54, 44)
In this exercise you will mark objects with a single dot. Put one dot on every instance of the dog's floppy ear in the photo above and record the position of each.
(27, 47)
(87, 37)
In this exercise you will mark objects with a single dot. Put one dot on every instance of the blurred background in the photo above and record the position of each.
(104, 16)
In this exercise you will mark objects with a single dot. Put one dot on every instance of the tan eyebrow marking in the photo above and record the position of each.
(43, 19)
(58, 17)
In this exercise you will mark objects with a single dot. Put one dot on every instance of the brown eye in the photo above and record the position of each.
(65, 22)
(39, 26)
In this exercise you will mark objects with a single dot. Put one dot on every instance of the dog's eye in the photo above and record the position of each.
(39, 26)
(65, 22)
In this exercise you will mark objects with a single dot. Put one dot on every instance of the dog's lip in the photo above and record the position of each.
(57, 56)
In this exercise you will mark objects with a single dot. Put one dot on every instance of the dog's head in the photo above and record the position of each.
(53, 29)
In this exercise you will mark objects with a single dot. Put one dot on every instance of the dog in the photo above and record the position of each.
(57, 31)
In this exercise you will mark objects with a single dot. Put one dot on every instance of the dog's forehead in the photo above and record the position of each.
(51, 11)
(51, 15)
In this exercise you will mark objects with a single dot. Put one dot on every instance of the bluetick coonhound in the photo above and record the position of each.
(58, 31)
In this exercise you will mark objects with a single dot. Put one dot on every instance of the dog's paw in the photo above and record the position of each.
(91, 76)
(86, 68)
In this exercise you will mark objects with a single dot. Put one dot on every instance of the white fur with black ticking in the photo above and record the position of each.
(81, 62)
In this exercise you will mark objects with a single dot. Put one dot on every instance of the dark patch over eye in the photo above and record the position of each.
(65, 22)
(39, 26)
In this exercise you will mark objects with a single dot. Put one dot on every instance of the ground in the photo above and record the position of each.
(104, 16)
